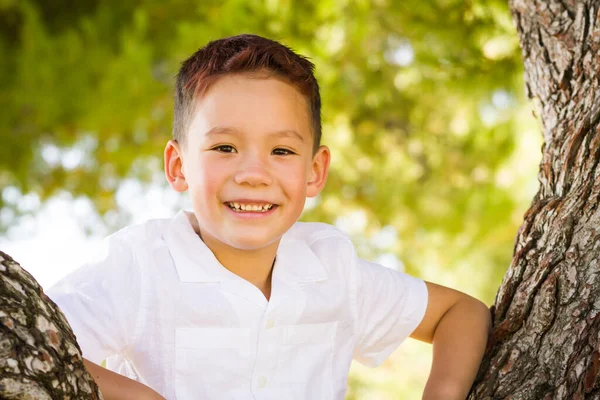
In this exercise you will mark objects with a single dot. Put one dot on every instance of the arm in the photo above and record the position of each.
(458, 325)
(117, 387)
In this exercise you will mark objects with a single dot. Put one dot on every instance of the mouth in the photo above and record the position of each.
(250, 207)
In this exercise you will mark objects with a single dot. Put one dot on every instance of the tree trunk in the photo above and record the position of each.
(546, 316)
(39, 356)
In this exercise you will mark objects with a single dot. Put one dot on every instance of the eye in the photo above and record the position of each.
(282, 152)
(225, 148)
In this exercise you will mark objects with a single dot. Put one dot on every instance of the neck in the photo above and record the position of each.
(255, 266)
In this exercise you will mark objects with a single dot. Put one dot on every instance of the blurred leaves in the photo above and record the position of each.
(434, 149)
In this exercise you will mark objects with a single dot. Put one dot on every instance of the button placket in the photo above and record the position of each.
(266, 351)
(265, 360)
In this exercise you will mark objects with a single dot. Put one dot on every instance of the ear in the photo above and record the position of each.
(174, 166)
(318, 172)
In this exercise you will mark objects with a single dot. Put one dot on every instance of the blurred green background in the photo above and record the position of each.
(435, 149)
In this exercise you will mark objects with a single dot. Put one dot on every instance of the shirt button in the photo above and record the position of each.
(270, 323)
(262, 381)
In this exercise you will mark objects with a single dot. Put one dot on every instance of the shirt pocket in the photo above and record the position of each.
(211, 363)
(305, 361)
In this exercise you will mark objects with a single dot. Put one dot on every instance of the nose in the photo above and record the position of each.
(254, 175)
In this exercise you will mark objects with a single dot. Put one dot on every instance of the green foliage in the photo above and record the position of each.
(422, 108)
(419, 107)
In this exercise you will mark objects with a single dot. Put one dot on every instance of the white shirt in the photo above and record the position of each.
(161, 309)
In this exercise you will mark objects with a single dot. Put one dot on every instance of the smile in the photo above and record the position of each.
(240, 207)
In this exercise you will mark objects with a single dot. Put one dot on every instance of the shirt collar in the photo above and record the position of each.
(296, 262)
(195, 262)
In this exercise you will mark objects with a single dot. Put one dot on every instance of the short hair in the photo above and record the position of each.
(237, 55)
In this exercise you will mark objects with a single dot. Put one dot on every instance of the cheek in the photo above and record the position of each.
(205, 179)
(212, 182)
(294, 178)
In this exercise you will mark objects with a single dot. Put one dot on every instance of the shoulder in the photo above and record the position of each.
(145, 232)
(313, 232)
(123, 247)
(328, 243)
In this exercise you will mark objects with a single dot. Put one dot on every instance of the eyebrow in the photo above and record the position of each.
(223, 130)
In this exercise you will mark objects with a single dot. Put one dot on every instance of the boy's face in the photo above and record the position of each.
(248, 161)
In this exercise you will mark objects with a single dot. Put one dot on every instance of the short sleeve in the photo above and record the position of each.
(390, 305)
(101, 299)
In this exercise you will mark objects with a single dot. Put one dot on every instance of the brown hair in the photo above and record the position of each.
(242, 54)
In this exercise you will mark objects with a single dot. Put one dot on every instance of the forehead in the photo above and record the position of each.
(251, 104)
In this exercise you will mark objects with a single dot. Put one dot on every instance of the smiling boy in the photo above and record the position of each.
(238, 300)
(248, 162)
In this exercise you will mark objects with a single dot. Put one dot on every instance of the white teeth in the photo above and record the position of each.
(250, 207)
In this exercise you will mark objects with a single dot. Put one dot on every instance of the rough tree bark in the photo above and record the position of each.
(39, 356)
(546, 316)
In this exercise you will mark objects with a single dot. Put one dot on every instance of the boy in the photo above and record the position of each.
(236, 300)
